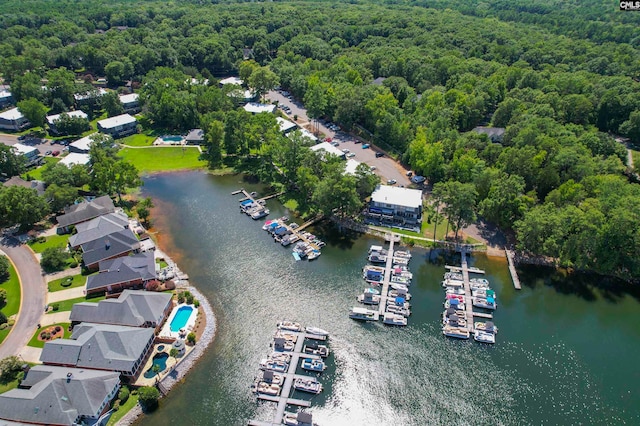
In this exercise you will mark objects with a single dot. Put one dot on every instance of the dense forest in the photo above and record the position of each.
(561, 77)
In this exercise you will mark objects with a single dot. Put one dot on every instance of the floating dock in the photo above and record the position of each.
(384, 293)
(468, 302)
(512, 269)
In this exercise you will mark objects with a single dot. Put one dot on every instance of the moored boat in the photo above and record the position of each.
(279, 366)
(309, 385)
(313, 365)
(402, 253)
(394, 319)
(458, 333)
(315, 349)
(488, 327)
(289, 325)
(268, 389)
(369, 298)
(363, 314)
(484, 337)
(317, 331)
(488, 303)
(280, 356)
(298, 419)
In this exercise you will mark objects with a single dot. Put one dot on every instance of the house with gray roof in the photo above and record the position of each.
(98, 227)
(60, 396)
(38, 185)
(82, 212)
(102, 347)
(133, 308)
(122, 273)
(495, 134)
(116, 244)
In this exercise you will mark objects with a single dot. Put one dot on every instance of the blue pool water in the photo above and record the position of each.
(181, 318)
(159, 359)
(172, 138)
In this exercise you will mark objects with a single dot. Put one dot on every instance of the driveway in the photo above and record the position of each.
(33, 296)
(55, 318)
(57, 296)
(386, 167)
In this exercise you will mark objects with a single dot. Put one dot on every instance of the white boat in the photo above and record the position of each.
(279, 366)
(315, 349)
(279, 356)
(399, 301)
(453, 320)
(394, 319)
(313, 254)
(484, 337)
(455, 290)
(397, 293)
(488, 303)
(317, 331)
(452, 283)
(268, 389)
(298, 419)
(399, 287)
(458, 333)
(400, 260)
(377, 257)
(363, 314)
(259, 214)
(398, 310)
(402, 253)
(286, 335)
(281, 344)
(267, 224)
(474, 269)
(375, 248)
(483, 292)
(448, 304)
(289, 325)
(269, 377)
(369, 299)
(487, 327)
(310, 385)
(401, 280)
(453, 276)
(313, 365)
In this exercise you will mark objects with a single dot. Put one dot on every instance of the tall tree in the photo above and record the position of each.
(459, 203)
(34, 111)
(11, 164)
(262, 80)
(60, 196)
(23, 206)
(112, 105)
(214, 138)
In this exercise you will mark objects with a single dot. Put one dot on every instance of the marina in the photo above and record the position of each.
(290, 351)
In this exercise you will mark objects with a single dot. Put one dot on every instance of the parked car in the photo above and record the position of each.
(351, 155)
(379, 154)
(391, 182)
(373, 168)
(409, 173)
(55, 153)
(346, 151)
(418, 179)
(356, 141)
(365, 145)
(335, 143)
(22, 137)
(47, 153)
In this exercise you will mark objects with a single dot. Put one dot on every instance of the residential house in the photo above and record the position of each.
(231, 80)
(52, 120)
(82, 212)
(31, 155)
(195, 137)
(90, 96)
(6, 98)
(118, 126)
(130, 102)
(495, 134)
(305, 135)
(38, 185)
(286, 126)
(13, 119)
(133, 308)
(393, 206)
(102, 347)
(52, 395)
(122, 273)
(74, 158)
(325, 148)
(257, 108)
(351, 166)
(116, 244)
(98, 227)
(83, 145)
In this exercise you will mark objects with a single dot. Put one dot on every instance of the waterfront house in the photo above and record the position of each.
(52, 395)
(83, 145)
(133, 308)
(52, 120)
(122, 273)
(114, 245)
(393, 206)
(31, 155)
(13, 119)
(195, 137)
(130, 102)
(98, 227)
(118, 126)
(102, 347)
(82, 212)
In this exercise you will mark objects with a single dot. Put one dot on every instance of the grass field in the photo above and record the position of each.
(66, 305)
(124, 409)
(76, 281)
(36, 174)
(52, 241)
(12, 285)
(163, 159)
(139, 139)
(34, 342)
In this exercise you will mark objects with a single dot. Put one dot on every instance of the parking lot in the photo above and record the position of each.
(43, 145)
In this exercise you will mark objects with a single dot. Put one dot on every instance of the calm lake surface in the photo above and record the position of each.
(566, 350)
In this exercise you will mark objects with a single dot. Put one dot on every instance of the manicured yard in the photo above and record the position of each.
(124, 409)
(51, 241)
(36, 174)
(160, 159)
(34, 342)
(12, 285)
(9, 385)
(162, 263)
(139, 139)
(66, 305)
(67, 283)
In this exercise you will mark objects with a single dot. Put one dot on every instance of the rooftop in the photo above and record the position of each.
(285, 125)
(86, 210)
(351, 166)
(83, 144)
(232, 80)
(90, 94)
(11, 114)
(75, 158)
(98, 228)
(23, 149)
(5, 94)
(327, 147)
(405, 197)
(256, 108)
(127, 99)
(118, 120)
(123, 270)
(114, 244)
(52, 118)
(195, 135)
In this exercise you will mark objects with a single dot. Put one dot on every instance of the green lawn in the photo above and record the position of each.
(139, 139)
(636, 159)
(9, 385)
(66, 305)
(12, 285)
(34, 342)
(74, 281)
(162, 159)
(124, 409)
(52, 241)
(162, 263)
(36, 174)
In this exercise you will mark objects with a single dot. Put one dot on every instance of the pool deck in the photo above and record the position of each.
(171, 362)
(191, 322)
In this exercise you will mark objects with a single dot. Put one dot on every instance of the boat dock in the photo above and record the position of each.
(468, 302)
(382, 307)
(289, 377)
(512, 269)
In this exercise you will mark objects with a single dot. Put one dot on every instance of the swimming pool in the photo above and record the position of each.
(180, 318)
(159, 359)
(172, 138)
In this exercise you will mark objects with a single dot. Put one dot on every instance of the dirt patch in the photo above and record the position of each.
(201, 323)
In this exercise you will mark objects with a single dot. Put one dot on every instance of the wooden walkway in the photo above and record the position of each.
(268, 197)
(382, 307)
(468, 302)
(512, 269)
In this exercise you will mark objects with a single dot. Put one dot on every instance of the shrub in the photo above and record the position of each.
(180, 298)
(55, 306)
(149, 397)
(123, 395)
(67, 282)
(73, 264)
(189, 298)
(191, 338)
(3, 296)
(116, 405)
(43, 335)
(196, 303)
(4, 326)
(58, 328)
(153, 285)
(10, 368)
(10, 322)
(4, 268)
(41, 239)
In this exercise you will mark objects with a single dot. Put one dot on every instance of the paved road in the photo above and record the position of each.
(33, 296)
(386, 167)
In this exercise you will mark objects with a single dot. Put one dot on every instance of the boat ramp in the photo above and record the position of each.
(282, 398)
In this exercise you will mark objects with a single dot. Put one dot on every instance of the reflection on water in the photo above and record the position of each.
(561, 358)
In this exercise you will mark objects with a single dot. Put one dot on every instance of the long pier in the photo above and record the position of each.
(512, 269)
(382, 307)
(283, 399)
(468, 302)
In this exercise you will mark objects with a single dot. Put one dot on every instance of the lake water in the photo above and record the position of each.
(566, 351)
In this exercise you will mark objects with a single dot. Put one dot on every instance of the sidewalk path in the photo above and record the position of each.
(72, 293)
(33, 291)
(58, 317)
(62, 274)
